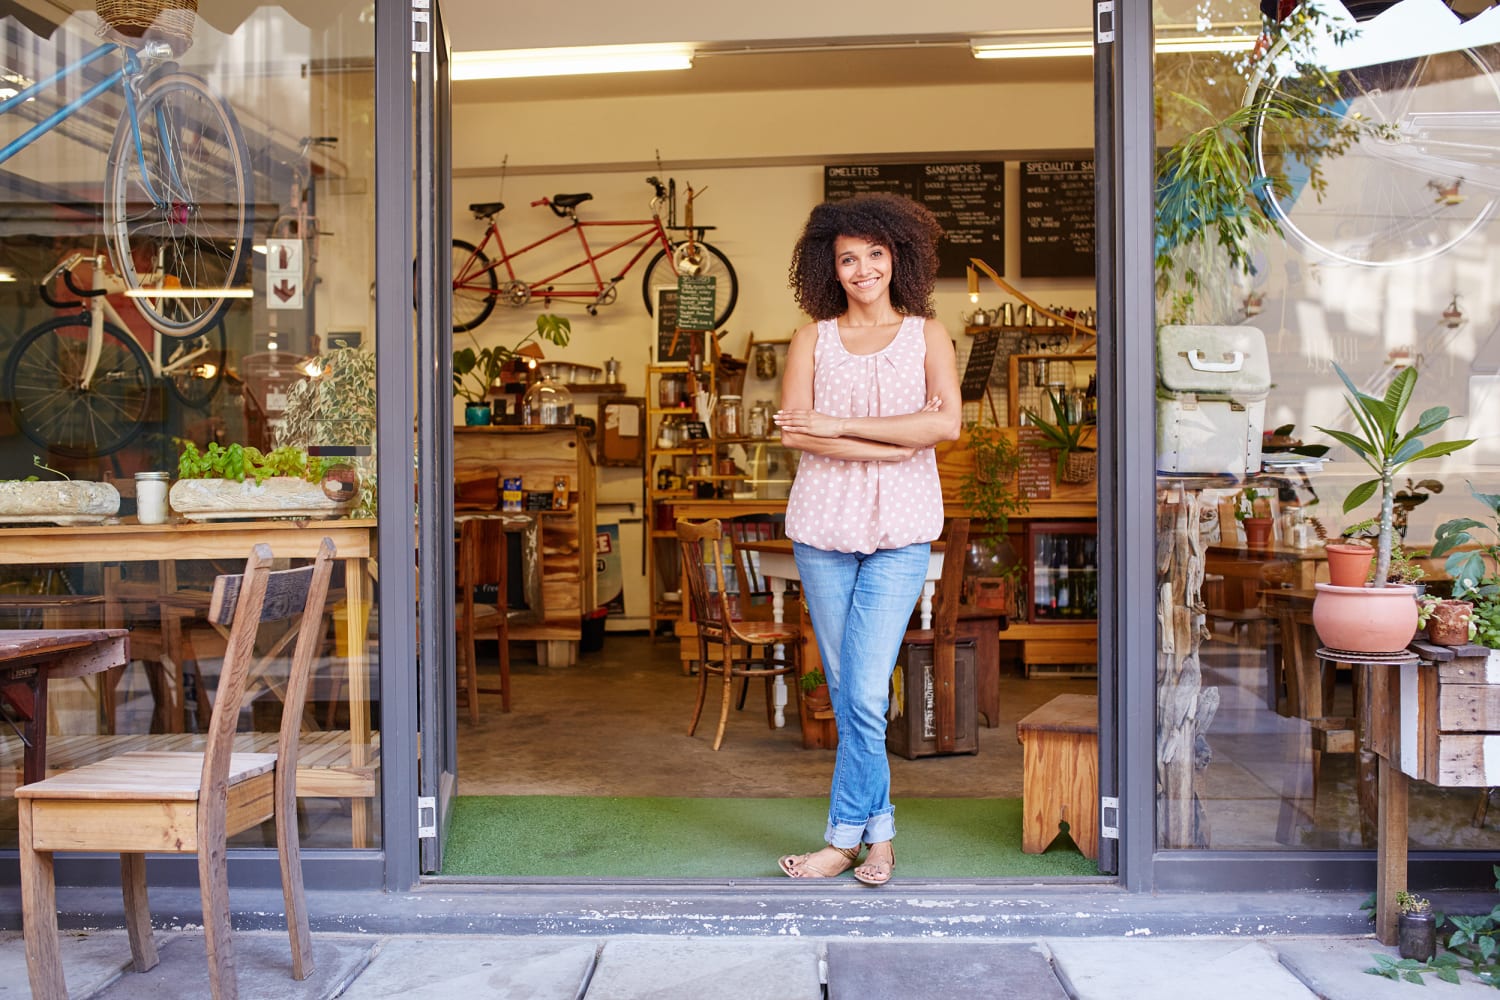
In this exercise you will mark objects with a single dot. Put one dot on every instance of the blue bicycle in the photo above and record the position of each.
(176, 218)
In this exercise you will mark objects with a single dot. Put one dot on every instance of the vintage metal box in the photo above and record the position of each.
(1212, 383)
(912, 730)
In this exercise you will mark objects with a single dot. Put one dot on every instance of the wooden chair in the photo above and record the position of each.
(185, 802)
(944, 632)
(720, 630)
(482, 560)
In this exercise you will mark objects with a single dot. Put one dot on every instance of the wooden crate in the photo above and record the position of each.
(1439, 719)
(913, 733)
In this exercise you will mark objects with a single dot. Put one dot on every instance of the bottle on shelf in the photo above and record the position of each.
(1041, 572)
(1063, 595)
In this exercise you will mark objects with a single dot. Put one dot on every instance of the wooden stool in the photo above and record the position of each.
(1060, 777)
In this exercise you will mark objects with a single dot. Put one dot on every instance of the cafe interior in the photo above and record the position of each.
(579, 453)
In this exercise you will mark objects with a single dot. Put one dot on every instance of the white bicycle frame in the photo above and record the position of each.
(100, 309)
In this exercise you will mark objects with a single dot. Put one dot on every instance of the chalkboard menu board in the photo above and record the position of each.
(671, 345)
(977, 370)
(1057, 218)
(968, 200)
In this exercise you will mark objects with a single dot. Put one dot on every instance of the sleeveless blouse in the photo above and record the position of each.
(854, 506)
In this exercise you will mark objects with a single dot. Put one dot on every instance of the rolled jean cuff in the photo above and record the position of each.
(877, 828)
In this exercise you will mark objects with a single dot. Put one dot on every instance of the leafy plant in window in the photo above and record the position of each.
(336, 407)
(1210, 194)
(1062, 435)
(476, 368)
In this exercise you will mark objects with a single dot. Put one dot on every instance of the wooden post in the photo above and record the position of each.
(1390, 873)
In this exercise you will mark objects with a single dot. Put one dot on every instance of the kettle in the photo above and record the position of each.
(980, 317)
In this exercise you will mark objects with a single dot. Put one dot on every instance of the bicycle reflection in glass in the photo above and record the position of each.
(176, 219)
(1377, 165)
(477, 283)
(81, 385)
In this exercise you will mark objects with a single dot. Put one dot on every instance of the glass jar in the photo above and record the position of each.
(765, 361)
(729, 417)
(669, 391)
(151, 497)
(547, 404)
(760, 420)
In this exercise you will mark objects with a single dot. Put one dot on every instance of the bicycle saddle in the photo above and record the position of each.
(485, 209)
(563, 204)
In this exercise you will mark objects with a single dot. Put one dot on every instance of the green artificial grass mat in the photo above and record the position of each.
(563, 836)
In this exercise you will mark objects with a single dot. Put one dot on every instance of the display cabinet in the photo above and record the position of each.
(1062, 568)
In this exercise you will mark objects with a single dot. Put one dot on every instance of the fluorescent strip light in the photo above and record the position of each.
(1079, 45)
(504, 64)
(190, 293)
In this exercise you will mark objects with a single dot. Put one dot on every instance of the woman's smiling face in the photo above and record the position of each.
(863, 268)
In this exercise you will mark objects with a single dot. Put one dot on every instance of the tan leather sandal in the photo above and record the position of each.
(874, 872)
(796, 865)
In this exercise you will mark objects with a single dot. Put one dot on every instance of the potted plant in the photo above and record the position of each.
(335, 407)
(1379, 618)
(1076, 463)
(1350, 558)
(988, 490)
(1416, 927)
(1256, 526)
(221, 482)
(476, 368)
(1448, 622)
(34, 500)
(815, 697)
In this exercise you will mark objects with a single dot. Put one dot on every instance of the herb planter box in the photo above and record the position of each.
(63, 502)
(278, 496)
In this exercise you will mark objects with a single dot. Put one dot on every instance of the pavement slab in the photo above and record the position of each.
(1334, 969)
(91, 961)
(703, 968)
(1173, 969)
(264, 961)
(905, 970)
(492, 968)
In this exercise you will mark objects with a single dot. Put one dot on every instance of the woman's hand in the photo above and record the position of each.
(809, 422)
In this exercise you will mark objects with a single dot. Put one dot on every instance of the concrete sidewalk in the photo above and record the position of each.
(626, 967)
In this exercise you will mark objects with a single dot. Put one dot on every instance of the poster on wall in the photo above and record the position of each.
(1057, 218)
(967, 198)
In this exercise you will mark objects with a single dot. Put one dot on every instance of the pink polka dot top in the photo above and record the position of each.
(844, 506)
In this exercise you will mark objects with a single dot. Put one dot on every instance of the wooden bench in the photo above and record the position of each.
(1060, 776)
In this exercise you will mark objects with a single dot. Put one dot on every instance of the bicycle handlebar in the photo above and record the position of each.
(86, 293)
(540, 201)
(655, 182)
(65, 268)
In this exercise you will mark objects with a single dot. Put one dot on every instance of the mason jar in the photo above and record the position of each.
(729, 419)
(151, 497)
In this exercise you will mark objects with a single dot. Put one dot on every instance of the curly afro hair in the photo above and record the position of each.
(901, 225)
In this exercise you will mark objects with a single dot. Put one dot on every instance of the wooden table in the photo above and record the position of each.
(29, 658)
(128, 541)
(1060, 776)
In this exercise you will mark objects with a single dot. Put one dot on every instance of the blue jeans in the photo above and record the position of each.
(859, 605)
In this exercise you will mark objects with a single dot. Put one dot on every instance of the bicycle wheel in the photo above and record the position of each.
(1374, 165)
(193, 367)
(471, 305)
(175, 208)
(44, 382)
(662, 273)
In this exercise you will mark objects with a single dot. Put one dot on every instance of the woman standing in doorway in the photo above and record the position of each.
(870, 387)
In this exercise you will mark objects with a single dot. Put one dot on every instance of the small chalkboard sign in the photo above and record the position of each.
(672, 344)
(695, 301)
(1034, 478)
(697, 430)
(977, 370)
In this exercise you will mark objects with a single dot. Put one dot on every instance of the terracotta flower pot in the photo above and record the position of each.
(1348, 565)
(818, 699)
(1449, 624)
(1365, 619)
(1257, 532)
